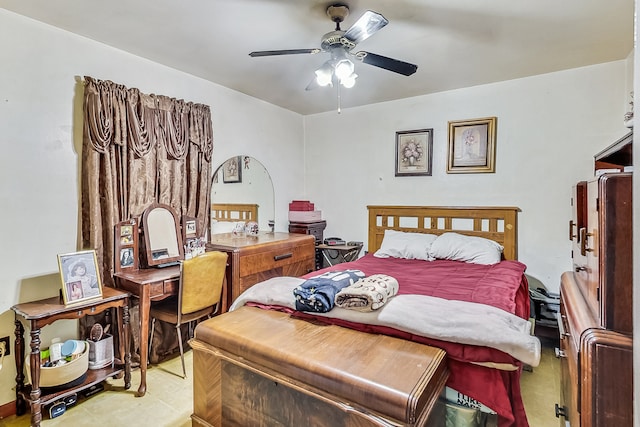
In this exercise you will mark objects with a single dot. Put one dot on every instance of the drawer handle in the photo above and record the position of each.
(561, 411)
(562, 331)
(584, 245)
(560, 353)
(571, 227)
(283, 256)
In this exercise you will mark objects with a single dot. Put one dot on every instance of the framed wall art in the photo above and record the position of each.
(472, 146)
(80, 276)
(231, 171)
(414, 149)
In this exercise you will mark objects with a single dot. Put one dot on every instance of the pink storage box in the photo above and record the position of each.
(305, 216)
(301, 205)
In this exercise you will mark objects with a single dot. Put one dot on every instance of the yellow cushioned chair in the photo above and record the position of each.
(201, 281)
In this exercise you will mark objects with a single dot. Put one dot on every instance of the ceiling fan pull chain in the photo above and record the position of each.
(339, 99)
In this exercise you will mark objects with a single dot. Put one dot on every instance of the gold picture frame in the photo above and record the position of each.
(472, 146)
(80, 276)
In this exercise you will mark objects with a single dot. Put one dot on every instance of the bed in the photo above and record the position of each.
(234, 212)
(481, 370)
(225, 216)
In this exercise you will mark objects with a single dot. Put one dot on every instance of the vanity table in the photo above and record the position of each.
(253, 259)
(148, 284)
(44, 312)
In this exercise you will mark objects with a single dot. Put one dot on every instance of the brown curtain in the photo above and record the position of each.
(139, 149)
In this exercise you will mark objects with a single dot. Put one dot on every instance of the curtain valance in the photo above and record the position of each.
(126, 117)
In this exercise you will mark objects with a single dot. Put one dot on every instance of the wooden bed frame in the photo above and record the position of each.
(234, 212)
(499, 224)
(227, 370)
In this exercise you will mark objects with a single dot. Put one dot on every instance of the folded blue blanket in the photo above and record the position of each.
(318, 293)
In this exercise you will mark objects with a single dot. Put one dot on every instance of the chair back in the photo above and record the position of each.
(201, 281)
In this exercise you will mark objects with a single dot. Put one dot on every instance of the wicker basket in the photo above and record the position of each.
(101, 352)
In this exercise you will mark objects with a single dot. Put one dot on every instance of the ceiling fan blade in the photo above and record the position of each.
(395, 65)
(365, 26)
(283, 52)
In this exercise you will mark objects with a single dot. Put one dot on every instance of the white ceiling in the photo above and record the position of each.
(455, 43)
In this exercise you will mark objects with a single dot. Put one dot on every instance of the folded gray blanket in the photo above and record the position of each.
(368, 294)
(318, 293)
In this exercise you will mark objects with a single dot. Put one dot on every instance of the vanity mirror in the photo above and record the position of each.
(162, 237)
(247, 197)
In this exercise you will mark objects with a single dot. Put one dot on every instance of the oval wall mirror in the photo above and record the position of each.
(242, 190)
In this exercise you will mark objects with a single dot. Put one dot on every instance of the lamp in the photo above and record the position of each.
(349, 81)
(324, 74)
(342, 69)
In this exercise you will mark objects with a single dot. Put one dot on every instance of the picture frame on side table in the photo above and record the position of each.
(414, 151)
(80, 276)
(231, 170)
(472, 146)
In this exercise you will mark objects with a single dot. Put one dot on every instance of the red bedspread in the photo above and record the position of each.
(501, 285)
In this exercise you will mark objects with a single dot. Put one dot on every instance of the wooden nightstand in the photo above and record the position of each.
(253, 259)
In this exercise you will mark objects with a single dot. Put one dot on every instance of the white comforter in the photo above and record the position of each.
(436, 318)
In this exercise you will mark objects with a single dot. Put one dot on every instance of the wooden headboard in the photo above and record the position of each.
(499, 224)
(234, 212)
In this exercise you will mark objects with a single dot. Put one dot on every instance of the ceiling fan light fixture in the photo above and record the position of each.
(349, 81)
(344, 68)
(324, 76)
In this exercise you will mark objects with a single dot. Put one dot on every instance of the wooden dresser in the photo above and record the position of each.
(596, 322)
(253, 259)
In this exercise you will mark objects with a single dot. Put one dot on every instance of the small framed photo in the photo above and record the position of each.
(414, 150)
(80, 276)
(126, 257)
(125, 246)
(126, 234)
(190, 228)
(472, 146)
(231, 170)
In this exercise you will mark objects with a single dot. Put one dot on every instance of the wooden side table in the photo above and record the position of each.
(46, 311)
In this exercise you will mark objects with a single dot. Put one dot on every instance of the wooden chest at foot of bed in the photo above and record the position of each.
(255, 367)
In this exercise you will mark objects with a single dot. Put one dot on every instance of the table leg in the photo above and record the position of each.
(145, 305)
(124, 346)
(18, 355)
(34, 397)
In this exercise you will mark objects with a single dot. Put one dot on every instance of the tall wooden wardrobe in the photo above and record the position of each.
(595, 322)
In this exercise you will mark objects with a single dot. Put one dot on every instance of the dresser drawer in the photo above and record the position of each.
(275, 257)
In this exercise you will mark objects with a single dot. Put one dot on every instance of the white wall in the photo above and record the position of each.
(40, 138)
(548, 129)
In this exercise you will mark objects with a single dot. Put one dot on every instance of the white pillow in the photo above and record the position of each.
(219, 227)
(398, 244)
(458, 247)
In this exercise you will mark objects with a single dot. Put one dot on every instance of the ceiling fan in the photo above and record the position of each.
(340, 44)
